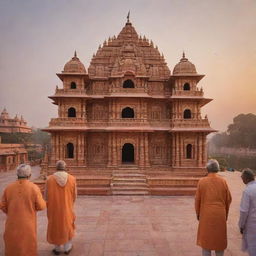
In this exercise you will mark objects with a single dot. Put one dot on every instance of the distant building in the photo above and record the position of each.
(12, 125)
(11, 155)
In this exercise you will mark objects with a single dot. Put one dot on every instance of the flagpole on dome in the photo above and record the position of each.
(128, 17)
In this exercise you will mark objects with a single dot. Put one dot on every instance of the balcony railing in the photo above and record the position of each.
(130, 122)
(190, 123)
(70, 91)
(188, 93)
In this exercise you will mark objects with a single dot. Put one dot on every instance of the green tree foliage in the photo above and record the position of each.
(36, 137)
(241, 133)
(40, 137)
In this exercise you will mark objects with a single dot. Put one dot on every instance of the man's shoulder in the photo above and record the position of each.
(251, 188)
(72, 177)
(11, 185)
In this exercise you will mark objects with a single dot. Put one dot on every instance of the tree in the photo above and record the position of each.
(241, 133)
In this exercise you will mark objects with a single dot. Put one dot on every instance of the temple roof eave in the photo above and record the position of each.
(185, 75)
(203, 100)
(63, 74)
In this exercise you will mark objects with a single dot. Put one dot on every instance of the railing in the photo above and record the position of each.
(189, 123)
(188, 93)
(68, 121)
(130, 122)
(70, 91)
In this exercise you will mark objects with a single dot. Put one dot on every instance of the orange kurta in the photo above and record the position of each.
(212, 205)
(20, 202)
(61, 218)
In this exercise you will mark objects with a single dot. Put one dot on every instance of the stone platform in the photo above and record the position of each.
(136, 225)
(131, 180)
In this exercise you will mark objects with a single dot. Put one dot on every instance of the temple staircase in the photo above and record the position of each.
(129, 181)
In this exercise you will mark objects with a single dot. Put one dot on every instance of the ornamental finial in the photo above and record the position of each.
(128, 17)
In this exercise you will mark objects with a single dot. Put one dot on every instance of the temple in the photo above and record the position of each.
(127, 125)
(12, 125)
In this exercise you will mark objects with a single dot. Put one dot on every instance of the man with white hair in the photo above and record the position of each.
(212, 203)
(247, 220)
(20, 201)
(60, 194)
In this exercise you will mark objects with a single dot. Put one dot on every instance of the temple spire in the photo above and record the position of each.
(75, 55)
(128, 17)
(183, 55)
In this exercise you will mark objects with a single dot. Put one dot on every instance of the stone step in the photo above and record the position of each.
(129, 175)
(130, 181)
(124, 183)
(182, 191)
(129, 193)
(129, 188)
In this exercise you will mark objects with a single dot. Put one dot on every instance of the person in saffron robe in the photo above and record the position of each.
(20, 201)
(247, 220)
(212, 203)
(60, 194)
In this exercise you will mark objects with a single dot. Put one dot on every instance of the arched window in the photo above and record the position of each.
(128, 84)
(189, 151)
(186, 87)
(71, 112)
(187, 114)
(127, 153)
(70, 150)
(73, 85)
(127, 113)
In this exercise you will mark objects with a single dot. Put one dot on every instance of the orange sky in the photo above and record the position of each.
(39, 37)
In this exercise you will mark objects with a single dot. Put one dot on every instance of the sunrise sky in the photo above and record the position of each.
(39, 37)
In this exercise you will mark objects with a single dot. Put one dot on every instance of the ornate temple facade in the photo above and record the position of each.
(11, 155)
(127, 123)
(12, 125)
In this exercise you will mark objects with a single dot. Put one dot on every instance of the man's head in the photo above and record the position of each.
(23, 171)
(212, 165)
(247, 175)
(61, 165)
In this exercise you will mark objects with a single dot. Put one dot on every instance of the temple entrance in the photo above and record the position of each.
(128, 153)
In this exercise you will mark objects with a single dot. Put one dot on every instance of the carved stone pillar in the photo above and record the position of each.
(53, 147)
(177, 145)
(110, 149)
(114, 146)
(142, 150)
(200, 157)
(85, 150)
(118, 150)
(204, 153)
(147, 163)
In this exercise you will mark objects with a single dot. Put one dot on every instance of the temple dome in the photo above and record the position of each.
(74, 66)
(184, 67)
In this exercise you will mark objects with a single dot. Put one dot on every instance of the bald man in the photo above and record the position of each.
(60, 194)
(21, 200)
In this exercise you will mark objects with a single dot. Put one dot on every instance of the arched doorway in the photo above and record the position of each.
(128, 153)
(70, 150)
(71, 112)
(186, 87)
(187, 114)
(189, 151)
(127, 113)
(128, 84)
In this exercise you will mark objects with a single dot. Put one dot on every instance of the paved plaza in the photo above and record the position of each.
(136, 225)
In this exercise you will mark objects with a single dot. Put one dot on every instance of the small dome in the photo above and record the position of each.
(184, 67)
(74, 66)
